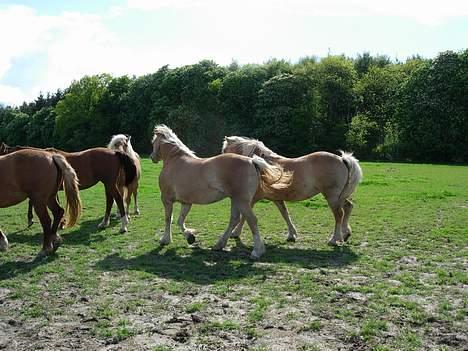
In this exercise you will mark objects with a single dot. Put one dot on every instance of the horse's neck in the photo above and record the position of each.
(172, 152)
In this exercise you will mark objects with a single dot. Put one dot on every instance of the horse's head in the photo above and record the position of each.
(156, 153)
(120, 142)
(166, 142)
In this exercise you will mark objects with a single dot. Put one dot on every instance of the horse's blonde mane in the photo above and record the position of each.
(248, 146)
(169, 137)
(122, 137)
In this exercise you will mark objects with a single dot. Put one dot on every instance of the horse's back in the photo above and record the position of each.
(316, 172)
(94, 165)
(195, 180)
(24, 173)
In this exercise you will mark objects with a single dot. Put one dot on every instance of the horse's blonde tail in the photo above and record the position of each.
(272, 177)
(354, 174)
(72, 193)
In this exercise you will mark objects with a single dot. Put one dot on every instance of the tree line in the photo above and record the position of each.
(415, 110)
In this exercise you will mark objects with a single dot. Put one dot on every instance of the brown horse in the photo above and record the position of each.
(188, 179)
(319, 172)
(38, 175)
(121, 142)
(93, 166)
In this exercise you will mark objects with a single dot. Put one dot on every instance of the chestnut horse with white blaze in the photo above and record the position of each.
(38, 175)
(92, 166)
(336, 177)
(188, 179)
(121, 142)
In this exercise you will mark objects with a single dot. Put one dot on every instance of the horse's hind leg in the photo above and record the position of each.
(292, 232)
(3, 241)
(115, 193)
(235, 214)
(44, 218)
(109, 202)
(58, 213)
(30, 214)
(168, 206)
(336, 207)
(346, 228)
(259, 247)
(135, 200)
(188, 232)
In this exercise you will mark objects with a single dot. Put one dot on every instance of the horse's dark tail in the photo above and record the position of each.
(128, 165)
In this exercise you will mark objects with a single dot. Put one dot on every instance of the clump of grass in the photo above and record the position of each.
(195, 307)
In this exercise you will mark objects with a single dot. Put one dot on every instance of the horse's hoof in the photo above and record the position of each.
(346, 236)
(218, 247)
(335, 243)
(163, 242)
(56, 244)
(30, 223)
(136, 212)
(235, 235)
(191, 238)
(43, 254)
(103, 225)
(123, 230)
(291, 239)
(254, 256)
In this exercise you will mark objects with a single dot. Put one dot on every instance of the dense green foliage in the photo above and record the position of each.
(416, 110)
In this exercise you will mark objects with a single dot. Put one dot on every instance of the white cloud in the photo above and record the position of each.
(11, 95)
(73, 44)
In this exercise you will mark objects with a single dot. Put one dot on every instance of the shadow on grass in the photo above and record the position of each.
(204, 266)
(12, 269)
(86, 233)
(83, 234)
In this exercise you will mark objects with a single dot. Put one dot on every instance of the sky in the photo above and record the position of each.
(46, 44)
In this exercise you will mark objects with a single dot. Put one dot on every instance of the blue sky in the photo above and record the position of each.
(49, 43)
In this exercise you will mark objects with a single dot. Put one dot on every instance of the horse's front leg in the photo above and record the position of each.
(188, 232)
(30, 214)
(168, 206)
(292, 232)
(3, 241)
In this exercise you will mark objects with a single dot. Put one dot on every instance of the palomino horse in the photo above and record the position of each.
(188, 179)
(92, 166)
(122, 143)
(319, 172)
(38, 175)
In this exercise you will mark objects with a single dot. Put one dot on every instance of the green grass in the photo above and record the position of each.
(400, 282)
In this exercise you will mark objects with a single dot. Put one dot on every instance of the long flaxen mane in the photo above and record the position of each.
(169, 137)
(249, 147)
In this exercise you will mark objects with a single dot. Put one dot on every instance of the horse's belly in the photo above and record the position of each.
(10, 198)
(199, 195)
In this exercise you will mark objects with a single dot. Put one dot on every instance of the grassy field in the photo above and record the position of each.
(399, 284)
